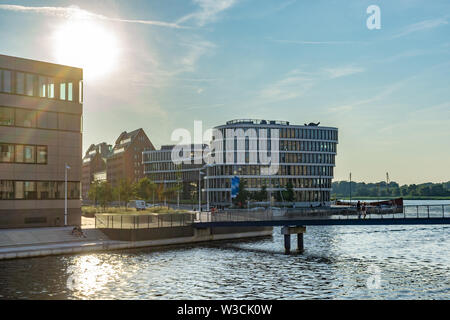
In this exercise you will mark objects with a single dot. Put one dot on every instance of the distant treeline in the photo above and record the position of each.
(341, 189)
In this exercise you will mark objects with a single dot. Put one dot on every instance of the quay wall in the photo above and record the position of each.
(132, 239)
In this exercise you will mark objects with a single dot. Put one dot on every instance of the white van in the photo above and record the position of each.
(138, 204)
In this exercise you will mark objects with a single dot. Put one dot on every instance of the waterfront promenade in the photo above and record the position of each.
(35, 242)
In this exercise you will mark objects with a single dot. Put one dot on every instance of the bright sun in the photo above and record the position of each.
(86, 44)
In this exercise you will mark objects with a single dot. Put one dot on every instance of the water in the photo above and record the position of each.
(339, 262)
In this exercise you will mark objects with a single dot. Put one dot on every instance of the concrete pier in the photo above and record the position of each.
(35, 242)
(287, 231)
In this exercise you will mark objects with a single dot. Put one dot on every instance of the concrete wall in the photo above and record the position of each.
(178, 232)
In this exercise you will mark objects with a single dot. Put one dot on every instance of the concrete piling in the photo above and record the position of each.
(287, 231)
(287, 243)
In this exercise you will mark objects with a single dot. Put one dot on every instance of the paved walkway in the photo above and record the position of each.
(26, 242)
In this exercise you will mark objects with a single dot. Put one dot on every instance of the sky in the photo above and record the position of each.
(160, 65)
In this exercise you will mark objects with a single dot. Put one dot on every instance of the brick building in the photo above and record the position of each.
(125, 160)
(94, 166)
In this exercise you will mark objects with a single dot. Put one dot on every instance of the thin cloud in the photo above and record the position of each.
(76, 12)
(209, 10)
(298, 82)
(342, 71)
(420, 26)
(301, 42)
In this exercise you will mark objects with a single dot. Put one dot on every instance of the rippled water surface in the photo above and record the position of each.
(339, 262)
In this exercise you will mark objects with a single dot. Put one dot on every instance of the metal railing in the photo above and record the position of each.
(142, 221)
(405, 212)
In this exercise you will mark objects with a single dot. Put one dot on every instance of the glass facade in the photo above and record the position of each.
(38, 190)
(306, 161)
(39, 119)
(19, 153)
(41, 86)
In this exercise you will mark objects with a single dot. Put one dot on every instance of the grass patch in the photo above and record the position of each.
(158, 210)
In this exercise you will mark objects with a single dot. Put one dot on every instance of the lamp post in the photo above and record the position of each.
(206, 186)
(200, 189)
(65, 194)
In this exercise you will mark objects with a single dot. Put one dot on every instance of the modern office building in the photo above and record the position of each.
(125, 160)
(40, 132)
(306, 161)
(93, 167)
(160, 169)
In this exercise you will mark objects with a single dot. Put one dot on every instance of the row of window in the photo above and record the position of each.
(34, 85)
(38, 190)
(293, 133)
(307, 158)
(19, 153)
(39, 119)
(307, 146)
(299, 196)
(255, 170)
(247, 171)
(274, 183)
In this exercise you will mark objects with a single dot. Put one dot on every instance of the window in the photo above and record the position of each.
(29, 153)
(62, 91)
(18, 190)
(25, 118)
(42, 83)
(70, 122)
(29, 189)
(80, 91)
(6, 116)
(50, 88)
(69, 91)
(47, 120)
(20, 83)
(5, 81)
(29, 90)
(19, 153)
(6, 153)
(42, 154)
(6, 190)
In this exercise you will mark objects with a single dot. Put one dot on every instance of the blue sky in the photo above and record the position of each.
(386, 90)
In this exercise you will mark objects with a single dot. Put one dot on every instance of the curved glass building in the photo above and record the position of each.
(304, 158)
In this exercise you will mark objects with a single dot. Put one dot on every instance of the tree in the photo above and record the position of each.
(243, 194)
(145, 189)
(288, 195)
(104, 193)
(279, 195)
(127, 191)
(93, 192)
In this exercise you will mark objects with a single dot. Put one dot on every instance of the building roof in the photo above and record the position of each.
(102, 148)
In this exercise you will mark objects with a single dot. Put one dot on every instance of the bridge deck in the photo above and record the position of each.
(407, 215)
(322, 222)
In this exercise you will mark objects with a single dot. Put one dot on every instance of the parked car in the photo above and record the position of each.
(138, 204)
(278, 212)
(148, 205)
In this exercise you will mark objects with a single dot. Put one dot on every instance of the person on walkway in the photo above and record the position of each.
(358, 209)
(364, 210)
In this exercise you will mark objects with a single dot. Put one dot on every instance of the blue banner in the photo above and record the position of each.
(234, 186)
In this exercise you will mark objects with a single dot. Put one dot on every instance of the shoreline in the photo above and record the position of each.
(391, 198)
(101, 244)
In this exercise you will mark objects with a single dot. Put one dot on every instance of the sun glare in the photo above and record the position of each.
(86, 44)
